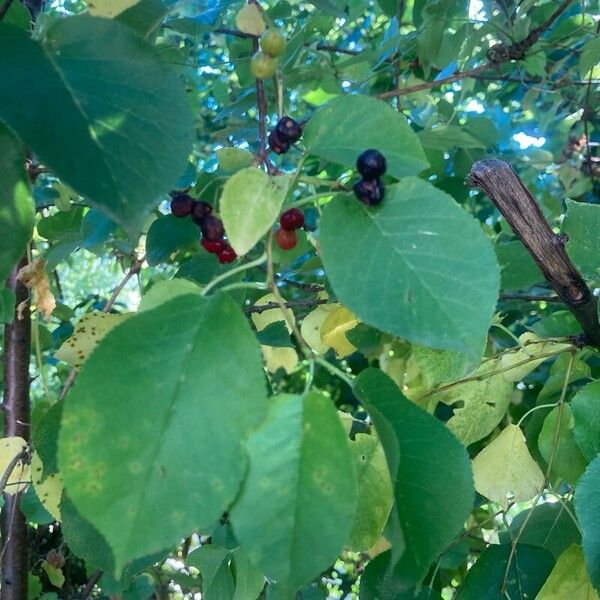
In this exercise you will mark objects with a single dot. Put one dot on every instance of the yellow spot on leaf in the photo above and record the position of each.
(334, 328)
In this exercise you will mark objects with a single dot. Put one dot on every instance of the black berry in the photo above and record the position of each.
(200, 210)
(288, 129)
(181, 204)
(286, 239)
(292, 219)
(226, 255)
(371, 164)
(212, 228)
(369, 191)
(278, 144)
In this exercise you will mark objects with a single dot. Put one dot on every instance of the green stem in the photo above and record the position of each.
(239, 269)
(334, 370)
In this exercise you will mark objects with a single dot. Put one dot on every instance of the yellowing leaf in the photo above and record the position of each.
(312, 324)
(21, 473)
(35, 278)
(90, 329)
(49, 491)
(55, 575)
(250, 20)
(109, 8)
(250, 203)
(529, 350)
(505, 468)
(478, 405)
(334, 328)
(275, 358)
(569, 579)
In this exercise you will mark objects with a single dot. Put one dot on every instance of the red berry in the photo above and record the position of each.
(226, 255)
(369, 191)
(277, 143)
(371, 164)
(181, 204)
(200, 210)
(288, 129)
(213, 247)
(292, 219)
(212, 228)
(286, 239)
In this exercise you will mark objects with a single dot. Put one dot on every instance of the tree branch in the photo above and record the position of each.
(260, 308)
(17, 351)
(497, 55)
(504, 188)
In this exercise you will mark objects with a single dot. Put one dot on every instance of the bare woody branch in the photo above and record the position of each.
(506, 190)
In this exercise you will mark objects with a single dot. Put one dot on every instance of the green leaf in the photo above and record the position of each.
(125, 127)
(7, 305)
(186, 378)
(430, 470)
(296, 508)
(217, 580)
(45, 438)
(478, 405)
(234, 159)
(167, 235)
(144, 17)
(18, 15)
(17, 210)
(163, 291)
(375, 495)
(445, 137)
(427, 272)
(249, 205)
(377, 583)
(518, 270)
(586, 414)
(569, 463)
(581, 224)
(249, 581)
(586, 509)
(529, 569)
(550, 526)
(346, 126)
(569, 578)
(61, 224)
(590, 56)
(275, 335)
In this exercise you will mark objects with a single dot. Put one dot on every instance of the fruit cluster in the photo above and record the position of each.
(264, 62)
(370, 189)
(289, 221)
(213, 232)
(286, 132)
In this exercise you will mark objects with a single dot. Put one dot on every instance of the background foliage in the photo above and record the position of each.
(399, 406)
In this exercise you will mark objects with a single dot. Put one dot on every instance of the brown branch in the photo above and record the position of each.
(556, 84)
(499, 54)
(17, 352)
(260, 308)
(23, 455)
(504, 188)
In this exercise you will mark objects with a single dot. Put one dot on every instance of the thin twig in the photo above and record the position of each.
(529, 297)
(22, 455)
(260, 308)
(503, 54)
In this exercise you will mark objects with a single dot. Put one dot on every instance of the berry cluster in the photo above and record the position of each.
(286, 132)
(213, 232)
(369, 189)
(264, 63)
(290, 220)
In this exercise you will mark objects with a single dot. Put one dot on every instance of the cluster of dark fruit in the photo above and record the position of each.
(290, 220)
(213, 232)
(369, 189)
(286, 132)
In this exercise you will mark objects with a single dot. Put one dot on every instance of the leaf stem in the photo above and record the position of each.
(334, 370)
(239, 269)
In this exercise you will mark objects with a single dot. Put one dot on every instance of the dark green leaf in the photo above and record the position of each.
(276, 335)
(586, 412)
(168, 234)
(426, 491)
(124, 126)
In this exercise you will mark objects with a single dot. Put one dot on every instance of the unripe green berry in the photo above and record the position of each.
(263, 66)
(272, 42)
